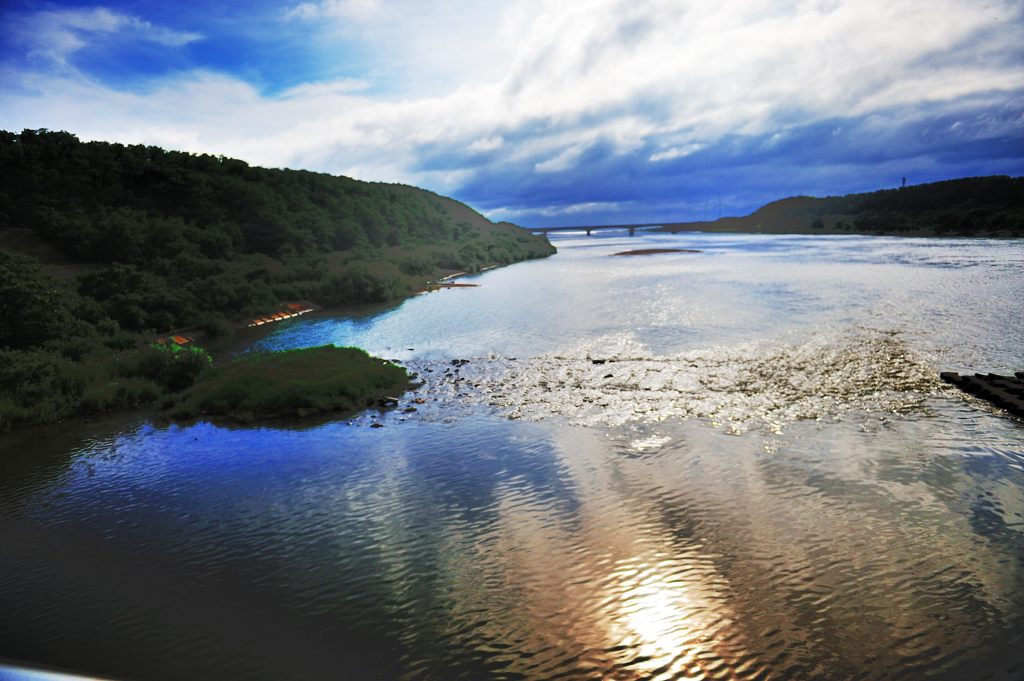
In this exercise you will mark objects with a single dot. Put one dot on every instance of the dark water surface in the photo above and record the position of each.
(736, 464)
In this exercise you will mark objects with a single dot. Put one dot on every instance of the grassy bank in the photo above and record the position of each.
(293, 383)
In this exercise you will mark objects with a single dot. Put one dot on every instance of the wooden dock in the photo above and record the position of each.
(1005, 392)
(290, 310)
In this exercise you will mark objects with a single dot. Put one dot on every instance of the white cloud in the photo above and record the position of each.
(544, 81)
(676, 152)
(325, 89)
(58, 34)
(505, 213)
(334, 9)
(487, 143)
(563, 161)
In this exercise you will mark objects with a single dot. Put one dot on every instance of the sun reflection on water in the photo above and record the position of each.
(660, 624)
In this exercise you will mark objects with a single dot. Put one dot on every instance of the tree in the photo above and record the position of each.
(34, 307)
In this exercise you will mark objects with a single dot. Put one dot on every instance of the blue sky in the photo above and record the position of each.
(542, 112)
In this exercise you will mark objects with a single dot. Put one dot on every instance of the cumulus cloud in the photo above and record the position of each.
(620, 97)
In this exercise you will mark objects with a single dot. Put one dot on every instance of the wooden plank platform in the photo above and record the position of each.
(1005, 392)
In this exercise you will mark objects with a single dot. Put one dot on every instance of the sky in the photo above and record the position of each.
(542, 112)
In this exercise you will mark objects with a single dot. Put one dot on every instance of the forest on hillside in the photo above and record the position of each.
(176, 239)
(103, 246)
(973, 206)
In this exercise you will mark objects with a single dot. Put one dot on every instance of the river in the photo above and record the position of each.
(732, 464)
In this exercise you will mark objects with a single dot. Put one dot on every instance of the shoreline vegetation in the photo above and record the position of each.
(106, 248)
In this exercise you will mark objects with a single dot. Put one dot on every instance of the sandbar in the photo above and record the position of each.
(655, 251)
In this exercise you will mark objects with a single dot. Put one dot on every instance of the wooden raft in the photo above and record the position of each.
(1006, 392)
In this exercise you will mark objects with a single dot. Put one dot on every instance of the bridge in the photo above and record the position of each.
(631, 228)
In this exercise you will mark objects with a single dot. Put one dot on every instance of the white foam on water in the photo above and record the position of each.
(740, 387)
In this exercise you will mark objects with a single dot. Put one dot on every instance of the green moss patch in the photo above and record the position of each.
(295, 383)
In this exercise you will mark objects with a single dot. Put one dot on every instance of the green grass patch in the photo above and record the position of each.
(293, 383)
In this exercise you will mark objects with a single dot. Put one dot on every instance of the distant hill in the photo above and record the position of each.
(975, 206)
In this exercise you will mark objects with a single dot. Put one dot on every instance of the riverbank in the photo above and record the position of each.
(57, 366)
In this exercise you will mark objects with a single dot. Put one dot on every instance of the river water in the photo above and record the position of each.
(732, 464)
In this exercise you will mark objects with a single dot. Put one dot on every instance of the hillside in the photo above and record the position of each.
(103, 247)
(975, 207)
(165, 239)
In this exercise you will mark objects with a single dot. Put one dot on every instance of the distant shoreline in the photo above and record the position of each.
(977, 207)
(910, 234)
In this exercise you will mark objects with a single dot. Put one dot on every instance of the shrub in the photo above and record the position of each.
(171, 366)
(38, 386)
